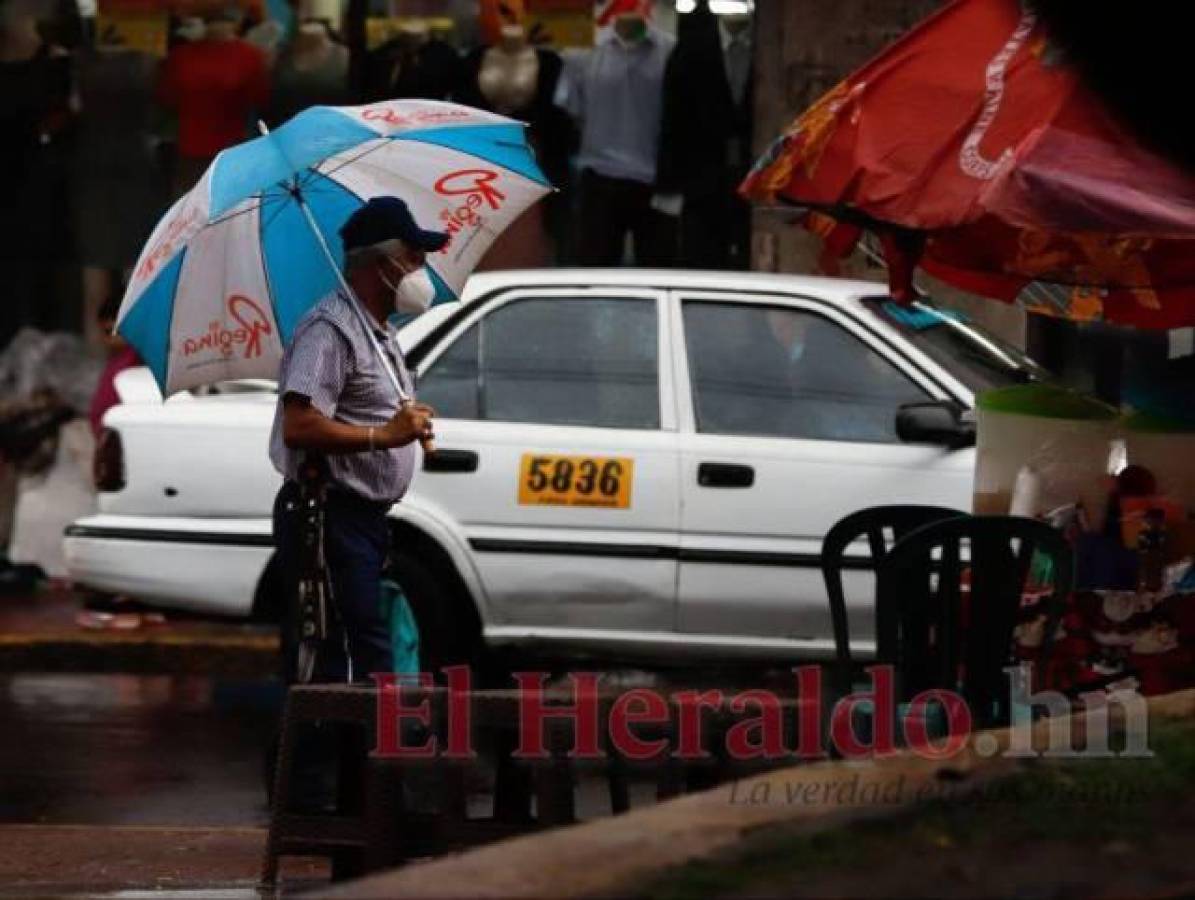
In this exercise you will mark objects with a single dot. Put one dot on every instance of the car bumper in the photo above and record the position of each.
(210, 566)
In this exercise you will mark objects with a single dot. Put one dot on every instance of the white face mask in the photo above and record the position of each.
(414, 293)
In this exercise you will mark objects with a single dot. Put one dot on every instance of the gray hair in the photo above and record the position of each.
(368, 255)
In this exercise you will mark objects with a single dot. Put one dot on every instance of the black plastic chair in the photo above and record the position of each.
(883, 527)
(936, 640)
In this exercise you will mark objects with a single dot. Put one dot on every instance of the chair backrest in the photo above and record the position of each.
(949, 596)
(882, 526)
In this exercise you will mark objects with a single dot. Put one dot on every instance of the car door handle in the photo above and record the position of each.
(445, 460)
(725, 475)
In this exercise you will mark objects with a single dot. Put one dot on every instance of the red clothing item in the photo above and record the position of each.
(216, 86)
(105, 396)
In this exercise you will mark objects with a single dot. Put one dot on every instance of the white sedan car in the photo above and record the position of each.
(631, 463)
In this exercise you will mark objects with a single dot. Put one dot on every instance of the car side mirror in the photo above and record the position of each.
(946, 423)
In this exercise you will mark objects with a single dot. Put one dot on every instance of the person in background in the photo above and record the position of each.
(218, 86)
(121, 356)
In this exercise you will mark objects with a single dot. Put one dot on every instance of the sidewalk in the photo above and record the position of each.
(749, 838)
(38, 633)
(99, 859)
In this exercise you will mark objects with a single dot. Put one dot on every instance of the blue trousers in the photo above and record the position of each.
(356, 541)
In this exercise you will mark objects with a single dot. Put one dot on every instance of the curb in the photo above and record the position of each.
(605, 857)
(140, 652)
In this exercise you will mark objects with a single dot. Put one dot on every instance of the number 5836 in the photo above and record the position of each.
(576, 481)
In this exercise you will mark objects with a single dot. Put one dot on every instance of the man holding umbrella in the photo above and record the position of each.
(337, 421)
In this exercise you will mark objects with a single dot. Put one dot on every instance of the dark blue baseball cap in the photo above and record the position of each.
(385, 219)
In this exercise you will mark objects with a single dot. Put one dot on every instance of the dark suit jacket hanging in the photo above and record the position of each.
(700, 125)
(431, 71)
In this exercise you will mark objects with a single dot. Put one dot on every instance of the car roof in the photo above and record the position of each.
(840, 290)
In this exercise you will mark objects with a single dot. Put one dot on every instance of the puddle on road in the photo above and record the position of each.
(134, 749)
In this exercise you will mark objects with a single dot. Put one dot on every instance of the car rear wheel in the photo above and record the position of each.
(269, 597)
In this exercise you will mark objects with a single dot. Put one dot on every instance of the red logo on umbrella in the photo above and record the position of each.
(252, 323)
(477, 188)
(383, 114)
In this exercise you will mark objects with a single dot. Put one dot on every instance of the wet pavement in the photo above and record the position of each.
(134, 749)
(114, 782)
(137, 783)
(131, 762)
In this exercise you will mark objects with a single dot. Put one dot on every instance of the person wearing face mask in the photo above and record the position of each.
(337, 410)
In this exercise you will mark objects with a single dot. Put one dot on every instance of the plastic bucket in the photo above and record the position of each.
(1063, 436)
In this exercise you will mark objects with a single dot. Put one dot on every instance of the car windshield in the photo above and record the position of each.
(973, 355)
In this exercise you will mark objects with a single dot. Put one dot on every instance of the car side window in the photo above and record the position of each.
(779, 372)
(451, 386)
(554, 361)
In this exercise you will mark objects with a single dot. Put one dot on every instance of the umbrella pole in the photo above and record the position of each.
(403, 397)
(297, 193)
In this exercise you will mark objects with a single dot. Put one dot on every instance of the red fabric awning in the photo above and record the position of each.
(972, 133)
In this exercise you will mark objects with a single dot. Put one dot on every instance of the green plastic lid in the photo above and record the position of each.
(1152, 423)
(1046, 402)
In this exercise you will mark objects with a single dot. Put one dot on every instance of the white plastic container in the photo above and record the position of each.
(1064, 438)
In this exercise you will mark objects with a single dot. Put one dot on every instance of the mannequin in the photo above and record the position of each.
(515, 79)
(413, 65)
(218, 85)
(120, 193)
(616, 96)
(509, 73)
(312, 71)
(36, 108)
(706, 136)
(413, 35)
(631, 27)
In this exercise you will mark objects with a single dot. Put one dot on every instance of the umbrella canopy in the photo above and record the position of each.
(972, 149)
(237, 261)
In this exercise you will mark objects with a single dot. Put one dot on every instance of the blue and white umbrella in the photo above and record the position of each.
(237, 261)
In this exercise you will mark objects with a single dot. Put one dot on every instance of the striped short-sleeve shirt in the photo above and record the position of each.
(331, 362)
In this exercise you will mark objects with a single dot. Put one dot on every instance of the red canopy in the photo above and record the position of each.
(973, 150)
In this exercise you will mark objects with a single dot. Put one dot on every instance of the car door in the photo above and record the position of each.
(572, 511)
(788, 413)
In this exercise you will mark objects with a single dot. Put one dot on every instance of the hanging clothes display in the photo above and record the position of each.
(706, 137)
(515, 79)
(617, 96)
(313, 70)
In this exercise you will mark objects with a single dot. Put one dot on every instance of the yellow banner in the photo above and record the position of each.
(144, 31)
(380, 29)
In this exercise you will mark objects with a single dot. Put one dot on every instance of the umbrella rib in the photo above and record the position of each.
(381, 142)
(261, 201)
(266, 223)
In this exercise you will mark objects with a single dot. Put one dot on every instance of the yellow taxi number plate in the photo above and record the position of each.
(596, 481)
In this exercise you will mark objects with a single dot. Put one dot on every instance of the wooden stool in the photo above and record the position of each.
(362, 834)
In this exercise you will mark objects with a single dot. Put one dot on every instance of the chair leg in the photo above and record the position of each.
(280, 798)
(555, 800)
(618, 785)
(512, 782)
(383, 805)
